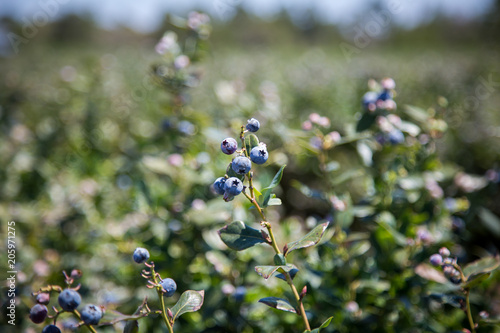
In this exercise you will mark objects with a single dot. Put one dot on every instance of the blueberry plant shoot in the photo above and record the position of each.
(91, 316)
(239, 236)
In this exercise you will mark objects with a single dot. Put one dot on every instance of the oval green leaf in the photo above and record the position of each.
(251, 140)
(312, 238)
(266, 192)
(278, 303)
(324, 325)
(267, 271)
(483, 265)
(190, 301)
(238, 236)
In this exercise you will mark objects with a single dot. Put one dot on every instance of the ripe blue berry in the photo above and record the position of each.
(259, 154)
(170, 287)
(51, 329)
(141, 255)
(253, 125)
(91, 314)
(241, 165)
(233, 186)
(396, 137)
(219, 185)
(444, 252)
(369, 100)
(38, 313)
(229, 146)
(239, 293)
(385, 95)
(69, 299)
(436, 259)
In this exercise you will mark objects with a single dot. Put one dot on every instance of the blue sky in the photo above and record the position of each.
(146, 15)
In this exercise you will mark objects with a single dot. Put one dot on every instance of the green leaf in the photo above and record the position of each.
(251, 140)
(416, 113)
(190, 301)
(238, 236)
(366, 121)
(483, 265)
(292, 273)
(274, 202)
(278, 303)
(455, 301)
(266, 192)
(131, 327)
(267, 271)
(490, 221)
(312, 238)
(324, 325)
(430, 273)
(476, 279)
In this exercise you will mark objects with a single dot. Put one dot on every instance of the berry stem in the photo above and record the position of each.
(159, 288)
(469, 314)
(299, 300)
(271, 234)
(256, 205)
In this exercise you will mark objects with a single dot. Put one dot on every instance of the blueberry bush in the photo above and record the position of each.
(181, 177)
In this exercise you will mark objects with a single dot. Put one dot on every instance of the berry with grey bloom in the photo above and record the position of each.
(219, 185)
(69, 299)
(241, 165)
(436, 259)
(169, 286)
(141, 255)
(91, 314)
(253, 125)
(229, 146)
(259, 154)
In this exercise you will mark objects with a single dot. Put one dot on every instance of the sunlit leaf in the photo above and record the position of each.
(483, 265)
(190, 301)
(238, 236)
(312, 238)
(324, 325)
(267, 271)
(278, 303)
(476, 279)
(266, 192)
(251, 140)
(430, 273)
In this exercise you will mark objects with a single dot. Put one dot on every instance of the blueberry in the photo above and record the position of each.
(233, 186)
(219, 185)
(51, 329)
(369, 100)
(69, 299)
(444, 252)
(436, 259)
(259, 154)
(241, 165)
(253, 125)
(229, 146)
(169, 286)
(385, 95)
(43, 298)
(91, 314)
(141, 255)
(239, 294)
(396, 137)
(38, 313)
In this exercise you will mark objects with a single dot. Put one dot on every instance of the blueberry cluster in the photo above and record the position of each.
(241, 165)
(448, 264)
(69, 300)
(381, 99)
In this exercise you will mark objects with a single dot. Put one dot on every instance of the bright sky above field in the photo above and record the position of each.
(146, 15)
